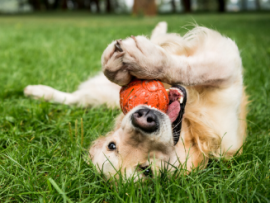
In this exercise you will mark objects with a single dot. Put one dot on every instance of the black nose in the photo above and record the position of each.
(145, 119)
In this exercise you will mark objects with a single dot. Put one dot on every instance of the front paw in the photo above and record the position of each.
(112, 64)
(134, 56)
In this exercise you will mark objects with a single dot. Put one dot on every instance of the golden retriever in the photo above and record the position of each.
(209, 122)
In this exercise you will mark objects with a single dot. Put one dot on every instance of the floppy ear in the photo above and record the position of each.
(96, 147)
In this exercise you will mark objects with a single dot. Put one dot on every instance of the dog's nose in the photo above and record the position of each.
(145, 119)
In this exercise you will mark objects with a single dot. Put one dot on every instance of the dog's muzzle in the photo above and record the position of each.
(146, 120)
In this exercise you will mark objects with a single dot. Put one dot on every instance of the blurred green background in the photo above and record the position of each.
(138, 7)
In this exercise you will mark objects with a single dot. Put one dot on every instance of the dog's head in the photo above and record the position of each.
(144, 140)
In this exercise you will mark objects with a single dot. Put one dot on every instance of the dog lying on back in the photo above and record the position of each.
(209, 68)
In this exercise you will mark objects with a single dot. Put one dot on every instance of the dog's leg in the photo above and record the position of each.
(48, 94)
(160, 29)
(96, 91)
(211, 60)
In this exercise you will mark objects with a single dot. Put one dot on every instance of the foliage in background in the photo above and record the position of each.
(136, 7)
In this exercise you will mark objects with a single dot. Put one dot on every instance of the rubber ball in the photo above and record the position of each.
(147, 92)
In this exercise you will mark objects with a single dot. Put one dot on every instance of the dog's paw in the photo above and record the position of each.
(112, 64)
(134, 56)
(39, 91)
(160, 30)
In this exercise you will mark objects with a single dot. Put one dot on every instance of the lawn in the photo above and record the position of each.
(43, 145)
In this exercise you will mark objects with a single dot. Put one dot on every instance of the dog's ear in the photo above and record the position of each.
(118, 121)
(96, 147)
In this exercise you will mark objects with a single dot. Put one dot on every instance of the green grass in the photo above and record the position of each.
(41, 160)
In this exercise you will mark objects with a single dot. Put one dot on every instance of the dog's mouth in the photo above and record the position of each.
(178, 97)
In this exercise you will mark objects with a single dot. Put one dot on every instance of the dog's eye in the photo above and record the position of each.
(146, 171)
(112, 146)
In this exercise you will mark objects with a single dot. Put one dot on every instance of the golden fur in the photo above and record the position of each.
(206, 63)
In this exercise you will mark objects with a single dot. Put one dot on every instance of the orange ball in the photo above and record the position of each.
(147, 92)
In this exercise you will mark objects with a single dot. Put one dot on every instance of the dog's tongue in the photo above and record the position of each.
(174, 110)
